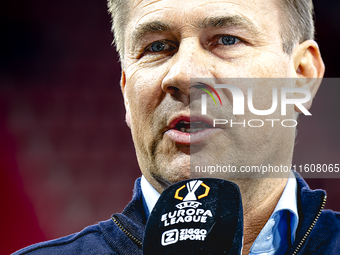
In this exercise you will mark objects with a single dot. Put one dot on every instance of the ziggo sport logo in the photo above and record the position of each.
(239, 102)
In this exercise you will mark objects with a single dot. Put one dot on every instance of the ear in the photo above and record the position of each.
(126, 101)
(309, 68)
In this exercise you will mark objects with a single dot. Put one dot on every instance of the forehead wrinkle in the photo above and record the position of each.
(150, 3)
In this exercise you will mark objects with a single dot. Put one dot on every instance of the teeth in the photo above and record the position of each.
(193, 130)
(192, 123)
(192, 127)
(188, 122)
(190, 130)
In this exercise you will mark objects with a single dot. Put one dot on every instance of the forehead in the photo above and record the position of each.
(182, 14)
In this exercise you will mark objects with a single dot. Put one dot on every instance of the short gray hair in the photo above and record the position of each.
(297, 22)
(119, 10)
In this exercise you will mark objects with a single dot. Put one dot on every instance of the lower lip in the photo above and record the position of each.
(190, 138)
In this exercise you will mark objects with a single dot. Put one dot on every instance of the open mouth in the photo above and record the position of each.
(192, 127)
(189, 130)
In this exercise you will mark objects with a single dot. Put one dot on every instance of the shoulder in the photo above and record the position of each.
(90, 240)
(106, 237)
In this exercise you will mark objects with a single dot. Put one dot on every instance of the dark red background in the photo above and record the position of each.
(66, 156)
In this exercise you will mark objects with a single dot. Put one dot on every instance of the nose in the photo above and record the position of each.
(191, 62)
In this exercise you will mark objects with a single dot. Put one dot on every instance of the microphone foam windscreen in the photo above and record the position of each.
(196, 216)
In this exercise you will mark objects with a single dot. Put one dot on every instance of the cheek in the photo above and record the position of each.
(144, 93)
(267, 63)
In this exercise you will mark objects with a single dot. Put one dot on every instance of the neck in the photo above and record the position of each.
(258, 207)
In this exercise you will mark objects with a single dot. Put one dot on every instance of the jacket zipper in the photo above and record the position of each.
(129, 235)
(310, 227)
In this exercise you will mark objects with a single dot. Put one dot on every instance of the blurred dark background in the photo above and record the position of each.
(66, 156)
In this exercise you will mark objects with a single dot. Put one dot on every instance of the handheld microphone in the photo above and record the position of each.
(196, 216)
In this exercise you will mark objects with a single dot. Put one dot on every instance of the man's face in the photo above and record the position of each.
(167, 43)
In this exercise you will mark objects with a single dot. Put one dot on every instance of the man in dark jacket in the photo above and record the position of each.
(318, 231)
(173, 52)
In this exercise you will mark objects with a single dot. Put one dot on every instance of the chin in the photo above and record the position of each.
(174, 175)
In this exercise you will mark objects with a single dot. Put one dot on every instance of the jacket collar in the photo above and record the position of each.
(134, 211)
(310, 202)
(124, 231)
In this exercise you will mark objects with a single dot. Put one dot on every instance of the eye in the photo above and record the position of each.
(228, 40)
(158, 46)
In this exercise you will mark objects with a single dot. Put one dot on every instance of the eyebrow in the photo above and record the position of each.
(229, 21)
(208, 23)
(149, 27)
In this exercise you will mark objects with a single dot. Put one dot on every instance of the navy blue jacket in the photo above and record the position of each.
(318, 231)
